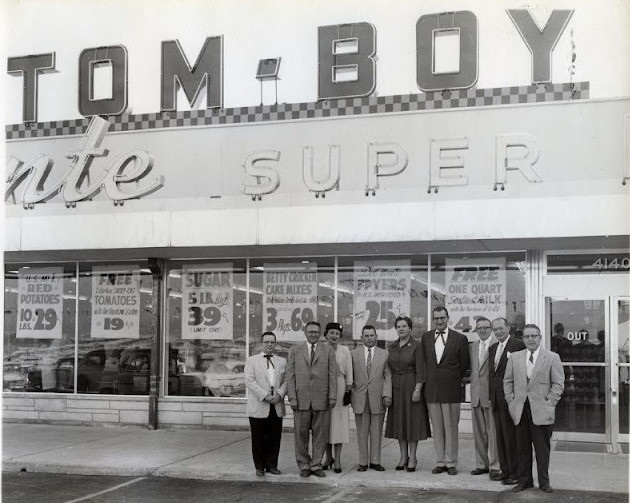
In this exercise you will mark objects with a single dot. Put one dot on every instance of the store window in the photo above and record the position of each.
(206, 338)
(39, 327)
(116, 327)
(474, 285)
(287, 293)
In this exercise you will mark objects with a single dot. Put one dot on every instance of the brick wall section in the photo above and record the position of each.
(173, 412)
(75, 409)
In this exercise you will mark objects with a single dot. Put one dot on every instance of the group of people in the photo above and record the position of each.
(515, 385)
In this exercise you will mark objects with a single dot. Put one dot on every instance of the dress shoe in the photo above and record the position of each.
(305, 473)
(497, 475)
(318, 473)
(520, 487)
(546, 489)
(509, 482)
(439, 469)
(260, 473)
(411, 469)
(337, 470)
(328, 464)
(403, 466)
(362, 468)
(479, 471)
(452, 470)
(274, 471)
(378, 468)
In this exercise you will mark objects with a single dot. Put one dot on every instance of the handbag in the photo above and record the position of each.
(346, 398)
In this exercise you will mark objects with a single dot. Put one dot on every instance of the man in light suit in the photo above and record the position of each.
(265, 381)
(533, 385)
(446, 361)
(487, 456)
(371, 395)
(505, 429)
(312, 389)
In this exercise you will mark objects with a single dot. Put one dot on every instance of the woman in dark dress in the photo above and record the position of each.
(407, 418)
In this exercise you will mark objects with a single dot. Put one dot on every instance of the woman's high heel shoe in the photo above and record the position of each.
(411, 468)
(326, 466)
(403, 466)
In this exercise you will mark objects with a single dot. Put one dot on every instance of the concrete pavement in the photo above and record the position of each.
(226, 455)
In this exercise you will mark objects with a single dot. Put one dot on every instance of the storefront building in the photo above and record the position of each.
(146, 252)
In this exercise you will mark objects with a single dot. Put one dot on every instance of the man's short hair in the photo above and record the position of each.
(368, 327)
(502, 319)
(532, 325)
(482, 318)
(440, 308)
(268, 333)
(316, 323)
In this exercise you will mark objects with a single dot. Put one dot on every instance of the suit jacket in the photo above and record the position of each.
(480, 376)
(497, 397)
(257, 383)
(312, 386)
(544, 389)
(444, 379)
(374, 387)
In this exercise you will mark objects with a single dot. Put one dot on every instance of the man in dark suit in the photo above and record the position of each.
(506, 431)
(312, 389)
(446, 361)
(371, 395)
(533, 385)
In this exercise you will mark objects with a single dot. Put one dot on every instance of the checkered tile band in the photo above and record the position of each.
(439, 100)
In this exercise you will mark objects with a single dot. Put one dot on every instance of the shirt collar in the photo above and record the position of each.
(535, 353)
(505, 341)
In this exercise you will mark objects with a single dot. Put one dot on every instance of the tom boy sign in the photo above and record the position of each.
(346, 57)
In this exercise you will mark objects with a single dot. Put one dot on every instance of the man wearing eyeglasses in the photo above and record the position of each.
(265, 381)
(533, 385)
(312, 390)
(484, 433)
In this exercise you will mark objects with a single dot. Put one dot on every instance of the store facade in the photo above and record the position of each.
(146, 253)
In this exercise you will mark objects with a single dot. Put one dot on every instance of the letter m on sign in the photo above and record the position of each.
(207, 72)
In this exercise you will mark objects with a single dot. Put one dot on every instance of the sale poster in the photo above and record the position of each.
(289, 299)
(115, 302)
(381, 294)
(40, 303)
(474, 288)
(207, 301)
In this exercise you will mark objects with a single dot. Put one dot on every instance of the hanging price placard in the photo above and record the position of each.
(474, 288)
(381, 294)
(115, 302)
(40, 303)
(207, 302)
(289, 299)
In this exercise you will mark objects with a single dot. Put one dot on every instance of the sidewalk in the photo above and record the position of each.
(205, 454)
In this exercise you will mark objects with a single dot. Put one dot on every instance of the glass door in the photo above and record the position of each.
(620, 370)
(577, 329)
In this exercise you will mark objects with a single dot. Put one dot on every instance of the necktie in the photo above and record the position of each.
(530, 365)
(439, 345)
(312, 353)
(368, 366)
(483, 352)
(497, 357)
(269, 362)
